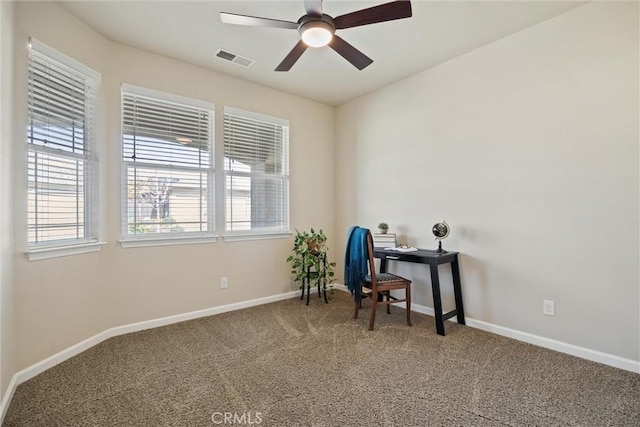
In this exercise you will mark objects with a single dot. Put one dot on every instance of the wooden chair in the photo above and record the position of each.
(382, 284)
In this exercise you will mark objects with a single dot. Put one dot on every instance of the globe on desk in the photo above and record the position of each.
(440, 230)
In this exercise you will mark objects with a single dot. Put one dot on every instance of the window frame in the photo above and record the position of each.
(89, 157)
(266, 233)
(162, 239)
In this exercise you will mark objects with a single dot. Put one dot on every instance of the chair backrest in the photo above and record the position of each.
(372, 265)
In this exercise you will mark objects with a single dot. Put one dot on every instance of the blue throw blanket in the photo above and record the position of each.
(355, 262)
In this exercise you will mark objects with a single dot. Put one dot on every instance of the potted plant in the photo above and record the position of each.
(310, 251)
(383, 227)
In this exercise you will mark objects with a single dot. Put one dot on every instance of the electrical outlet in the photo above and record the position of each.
(224, 282)
(548, 308)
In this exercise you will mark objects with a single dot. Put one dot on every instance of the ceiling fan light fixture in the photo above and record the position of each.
(316, 33)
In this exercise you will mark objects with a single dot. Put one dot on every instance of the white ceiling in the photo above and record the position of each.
(192, 32)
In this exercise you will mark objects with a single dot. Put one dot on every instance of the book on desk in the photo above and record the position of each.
(387, 240)
(403, 249)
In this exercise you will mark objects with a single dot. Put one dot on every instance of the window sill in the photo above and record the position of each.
(256, 236)
(165, 241)
(60, 251)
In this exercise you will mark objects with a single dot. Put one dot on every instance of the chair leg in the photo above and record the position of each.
(388, 293)
(374, 308)
(357, 305)
(408, 305)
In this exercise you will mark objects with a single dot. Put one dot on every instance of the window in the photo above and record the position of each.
(256, 173)
(62, 159)
(167, 156)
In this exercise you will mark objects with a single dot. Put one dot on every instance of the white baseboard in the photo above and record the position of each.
(6, 398)
(574, 350)
(37, 368)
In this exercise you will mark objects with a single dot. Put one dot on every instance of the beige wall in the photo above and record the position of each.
(528, 148)
(7, 327)
(62, 301)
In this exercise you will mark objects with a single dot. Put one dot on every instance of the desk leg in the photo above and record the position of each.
(383, 269)
(383, 265)
(437, 302)
(457, 290)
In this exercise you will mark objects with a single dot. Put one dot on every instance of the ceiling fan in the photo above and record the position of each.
(317, 29)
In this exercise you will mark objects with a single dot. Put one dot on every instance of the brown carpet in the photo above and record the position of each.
(286, 364)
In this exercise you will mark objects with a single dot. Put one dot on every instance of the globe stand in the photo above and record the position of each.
(440, 230)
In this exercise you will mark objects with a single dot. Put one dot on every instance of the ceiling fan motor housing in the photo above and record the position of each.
(322, 28)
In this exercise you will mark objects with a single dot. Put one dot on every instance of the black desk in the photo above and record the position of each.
(433, 258)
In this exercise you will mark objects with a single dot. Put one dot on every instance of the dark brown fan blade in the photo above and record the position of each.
(313, 7)
(254, 21)
(350, 53)
(292, 57)
(372, 15)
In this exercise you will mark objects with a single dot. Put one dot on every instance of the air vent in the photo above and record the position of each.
(232, 57)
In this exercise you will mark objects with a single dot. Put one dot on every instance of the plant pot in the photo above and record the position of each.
(383, 230)
(313, 246)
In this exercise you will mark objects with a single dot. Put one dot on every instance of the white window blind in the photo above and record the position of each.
(256, 171)
(61, 150)
(167, 144)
